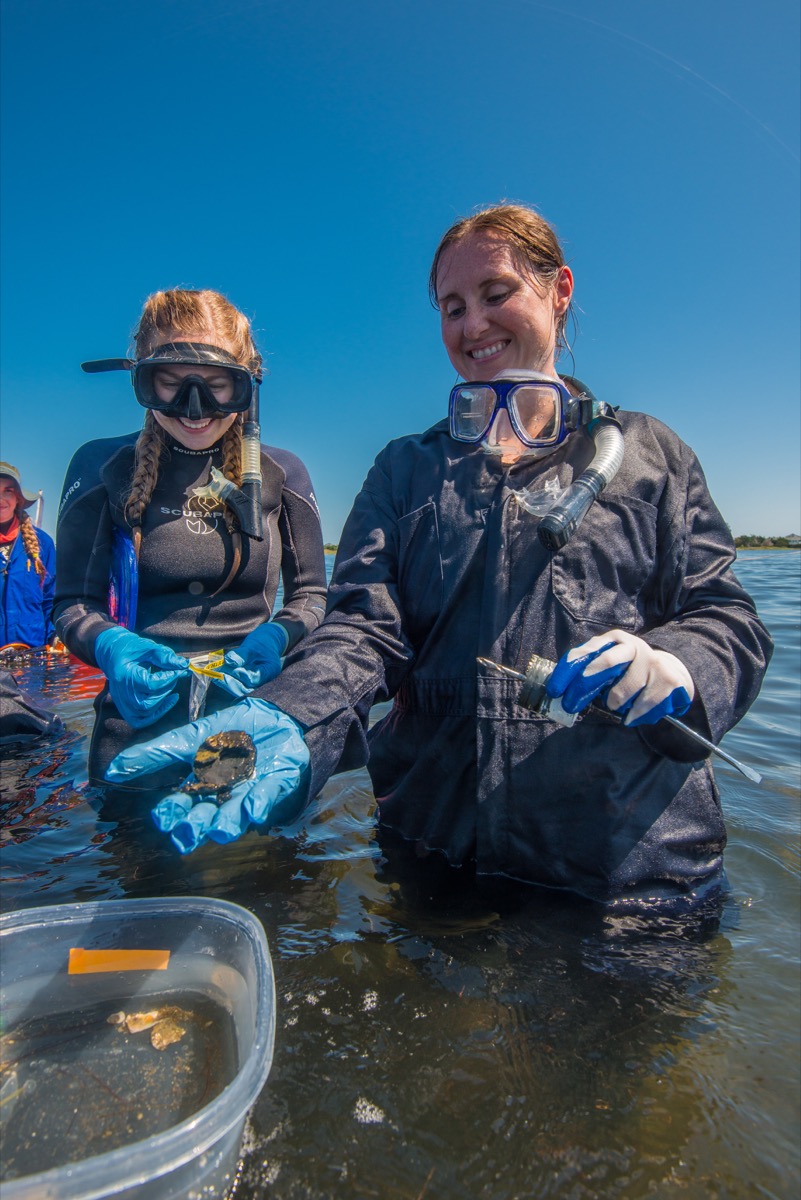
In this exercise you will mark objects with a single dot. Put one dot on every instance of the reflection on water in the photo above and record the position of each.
(440, 1040)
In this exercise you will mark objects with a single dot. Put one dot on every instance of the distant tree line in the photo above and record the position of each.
(752, 540)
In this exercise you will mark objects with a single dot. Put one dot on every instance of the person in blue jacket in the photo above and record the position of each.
(535, 519)
(173, 540)
(27, 568)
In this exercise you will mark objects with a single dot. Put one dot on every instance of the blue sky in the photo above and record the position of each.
(305, 157)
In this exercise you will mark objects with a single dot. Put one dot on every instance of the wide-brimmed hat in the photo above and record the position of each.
(13, 473)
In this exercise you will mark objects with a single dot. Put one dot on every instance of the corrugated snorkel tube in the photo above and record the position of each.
(560, 523)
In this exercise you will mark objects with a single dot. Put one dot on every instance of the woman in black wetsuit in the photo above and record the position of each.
(158, 556)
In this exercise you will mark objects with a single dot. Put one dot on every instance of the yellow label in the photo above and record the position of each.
(207, 671)
(208, 664)
(90, 962)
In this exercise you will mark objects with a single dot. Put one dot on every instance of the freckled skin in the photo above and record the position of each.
(493, 314)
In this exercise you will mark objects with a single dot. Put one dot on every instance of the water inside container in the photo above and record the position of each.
(75, 1084)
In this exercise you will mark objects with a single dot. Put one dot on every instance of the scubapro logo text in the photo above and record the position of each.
(73, 488)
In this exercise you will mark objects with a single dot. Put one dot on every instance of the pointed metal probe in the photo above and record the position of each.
(749, 772)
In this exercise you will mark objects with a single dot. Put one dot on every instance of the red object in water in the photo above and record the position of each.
(86, 681)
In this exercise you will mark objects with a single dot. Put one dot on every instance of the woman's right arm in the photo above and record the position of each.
(360, 653)
(83, 555)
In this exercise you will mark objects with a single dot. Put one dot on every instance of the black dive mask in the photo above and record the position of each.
(193, 399)
(229, 388)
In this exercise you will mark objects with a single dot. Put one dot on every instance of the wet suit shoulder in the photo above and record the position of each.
(95, 466)
(296, 476)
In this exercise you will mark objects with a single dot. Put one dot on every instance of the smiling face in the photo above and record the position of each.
(9, 499)
(496, 315)
(194, 435)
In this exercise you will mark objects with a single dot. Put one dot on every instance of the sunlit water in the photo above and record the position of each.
(435, 1041)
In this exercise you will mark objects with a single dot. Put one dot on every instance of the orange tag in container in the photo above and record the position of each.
(91, 962)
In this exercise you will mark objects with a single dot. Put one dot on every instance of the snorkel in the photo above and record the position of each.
(562, 520)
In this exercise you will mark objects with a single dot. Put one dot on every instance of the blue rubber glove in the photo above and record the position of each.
(273, 795)
(636, 682)
(141, 674)
(257, 660)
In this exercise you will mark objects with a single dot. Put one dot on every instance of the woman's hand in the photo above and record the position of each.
(272, 795)
(256, 661)
(640, 684)
(141, 674)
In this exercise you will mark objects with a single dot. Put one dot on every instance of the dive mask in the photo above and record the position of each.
(228, 389)
(541, 410)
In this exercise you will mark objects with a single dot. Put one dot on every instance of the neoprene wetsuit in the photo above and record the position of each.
(185, 556)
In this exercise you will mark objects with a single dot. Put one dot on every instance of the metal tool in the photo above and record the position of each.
(534, 696)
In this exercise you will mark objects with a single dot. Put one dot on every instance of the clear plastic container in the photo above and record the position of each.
(213, 959)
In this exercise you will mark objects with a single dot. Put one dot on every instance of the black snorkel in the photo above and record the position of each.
(562, 520)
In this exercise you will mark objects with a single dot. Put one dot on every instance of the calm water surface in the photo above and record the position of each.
(438, 1042)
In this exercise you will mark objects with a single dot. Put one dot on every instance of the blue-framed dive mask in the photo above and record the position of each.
(541, 411)
(228, 389)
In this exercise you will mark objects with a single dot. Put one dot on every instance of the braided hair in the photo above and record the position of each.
(30, 541)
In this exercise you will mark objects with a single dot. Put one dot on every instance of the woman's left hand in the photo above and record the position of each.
(636, 682)
(256, 661)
